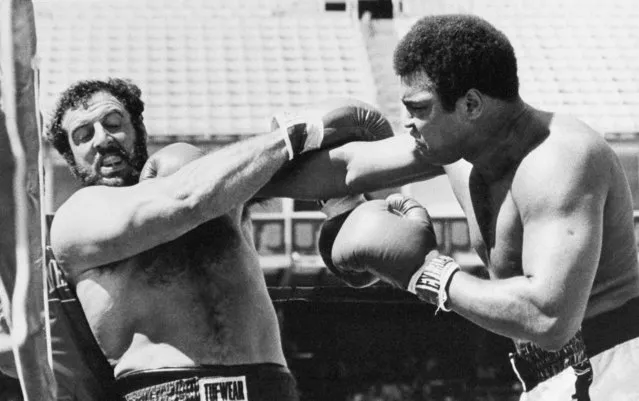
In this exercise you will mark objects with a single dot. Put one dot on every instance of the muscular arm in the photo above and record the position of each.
(355, 167)
(562, 235)
(100, 225)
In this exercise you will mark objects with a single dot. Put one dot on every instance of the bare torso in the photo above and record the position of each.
(200, 299)
(496, 228)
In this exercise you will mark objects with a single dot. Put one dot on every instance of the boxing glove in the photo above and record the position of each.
(394, 239)
(337, 210)
(169, 159)
(331, 123)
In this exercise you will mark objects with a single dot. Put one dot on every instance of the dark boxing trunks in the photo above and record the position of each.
(255, 382)
(534, 365)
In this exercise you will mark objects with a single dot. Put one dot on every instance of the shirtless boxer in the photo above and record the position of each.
(165, 268)
(548, 206)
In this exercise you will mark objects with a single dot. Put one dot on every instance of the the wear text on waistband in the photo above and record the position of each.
(223, 389)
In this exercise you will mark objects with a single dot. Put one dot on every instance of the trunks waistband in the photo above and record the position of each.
(210, 382)
(534, 365)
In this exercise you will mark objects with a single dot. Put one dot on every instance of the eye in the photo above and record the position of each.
(112, 121)
(419, 107)
(83, 134)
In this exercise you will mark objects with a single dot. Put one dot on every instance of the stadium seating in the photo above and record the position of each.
(204, 72)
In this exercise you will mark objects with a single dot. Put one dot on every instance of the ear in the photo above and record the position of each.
(472, 104)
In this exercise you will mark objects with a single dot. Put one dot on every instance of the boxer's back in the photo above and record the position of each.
(200, 299)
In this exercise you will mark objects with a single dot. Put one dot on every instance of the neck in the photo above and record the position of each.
(505, 135)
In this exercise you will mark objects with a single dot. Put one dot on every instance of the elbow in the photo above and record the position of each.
(552, 332)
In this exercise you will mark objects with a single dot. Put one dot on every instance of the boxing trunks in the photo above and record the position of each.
(601, 360)
(254, 382)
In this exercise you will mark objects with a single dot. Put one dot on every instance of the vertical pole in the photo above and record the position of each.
(22, 262)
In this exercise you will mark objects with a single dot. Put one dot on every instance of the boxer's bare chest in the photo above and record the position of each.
(494, 225)
(204, 251)
(183, 286)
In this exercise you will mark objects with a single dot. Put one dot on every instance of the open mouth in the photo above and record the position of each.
(112, 163)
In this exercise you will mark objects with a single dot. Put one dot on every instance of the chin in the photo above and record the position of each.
(432, 157)
(444, 156)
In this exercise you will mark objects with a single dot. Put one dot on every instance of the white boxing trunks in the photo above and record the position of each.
(615, 378)
(601, 363)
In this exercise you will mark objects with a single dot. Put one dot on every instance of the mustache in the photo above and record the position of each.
(114, 150)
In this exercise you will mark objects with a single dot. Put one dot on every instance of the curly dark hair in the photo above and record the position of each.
(79, 93)
(459, 52)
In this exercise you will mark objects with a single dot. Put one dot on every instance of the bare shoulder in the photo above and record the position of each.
(84, 217)
(86, 202)
(572, 161)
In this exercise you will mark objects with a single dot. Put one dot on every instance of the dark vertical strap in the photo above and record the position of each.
(584, 374)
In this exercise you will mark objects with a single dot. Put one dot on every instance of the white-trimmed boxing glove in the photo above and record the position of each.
(394, 239)
(330, 123)
(430, 282)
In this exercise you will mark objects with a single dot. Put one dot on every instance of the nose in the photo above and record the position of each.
(410, 127)
(407, 119)
(101, 137)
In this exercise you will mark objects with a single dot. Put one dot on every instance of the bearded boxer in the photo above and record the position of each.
(160, 251)
(548, 206)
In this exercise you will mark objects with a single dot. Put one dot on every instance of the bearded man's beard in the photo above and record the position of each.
(91, 176)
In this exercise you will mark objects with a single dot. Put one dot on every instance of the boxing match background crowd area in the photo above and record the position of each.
(215, 71)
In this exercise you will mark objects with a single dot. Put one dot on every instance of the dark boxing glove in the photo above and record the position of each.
(331, 123)
(337, 210)
(169, 159)
(394, 239)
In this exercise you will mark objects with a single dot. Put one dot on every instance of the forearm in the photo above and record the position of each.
(226, 178)
(355, 167)
(317, 175)
(509, 307)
